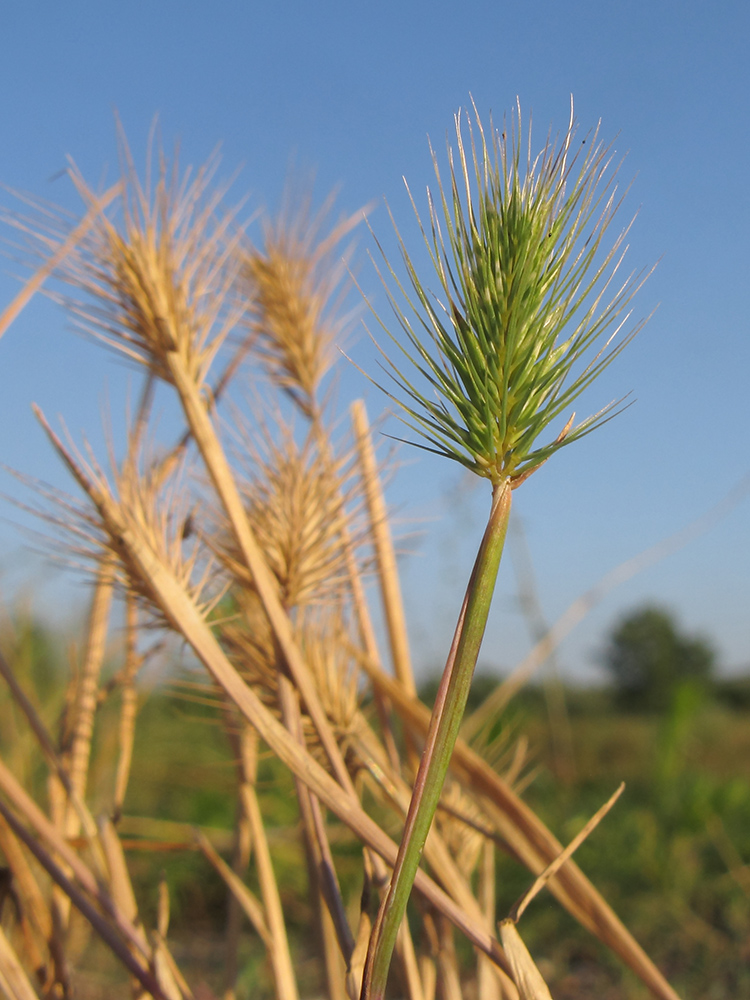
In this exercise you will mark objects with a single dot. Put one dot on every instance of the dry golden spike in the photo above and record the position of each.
(226, 488)
(292, 286)
(159, 292)
(159, 282)
(322, 636)
(296, 500)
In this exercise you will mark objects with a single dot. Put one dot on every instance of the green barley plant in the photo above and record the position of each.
(527, 294)
(248, 540)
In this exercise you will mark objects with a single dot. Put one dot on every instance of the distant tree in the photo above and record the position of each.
(648, 657)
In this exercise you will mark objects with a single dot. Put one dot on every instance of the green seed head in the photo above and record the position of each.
(528, 304)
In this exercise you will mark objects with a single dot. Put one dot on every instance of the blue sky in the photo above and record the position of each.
(350, 92)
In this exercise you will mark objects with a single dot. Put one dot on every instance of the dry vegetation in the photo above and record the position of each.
(247, 539)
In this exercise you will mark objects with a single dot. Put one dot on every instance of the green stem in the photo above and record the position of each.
(441, 737)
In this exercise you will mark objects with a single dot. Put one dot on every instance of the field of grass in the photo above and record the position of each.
(669, 858)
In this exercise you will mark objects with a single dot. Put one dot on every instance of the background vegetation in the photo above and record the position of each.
(671, 858)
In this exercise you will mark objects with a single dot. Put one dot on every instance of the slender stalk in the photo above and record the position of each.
(441, 737)
(128, 709)
(240, 861)
(250, 904)
(281, 960)
(488, 987)
(80, 748)
(409, 964)
(313, 825)
(436, 853)
(36, 922)
(121, 889)
(335, 966)
(447, 963)
(61, 776)
(384, 551)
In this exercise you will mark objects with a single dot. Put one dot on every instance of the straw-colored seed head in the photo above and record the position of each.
(156, 277)
(293, 341)
(294, 286)
(248, 641)
(323, 639)
(152, 506)
(295, 503)
(325, 644)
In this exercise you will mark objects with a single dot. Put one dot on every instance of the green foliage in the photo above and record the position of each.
(648, 658)
(670, 858)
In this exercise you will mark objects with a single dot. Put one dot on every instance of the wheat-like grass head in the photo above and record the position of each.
(157, 273)
(296, 285)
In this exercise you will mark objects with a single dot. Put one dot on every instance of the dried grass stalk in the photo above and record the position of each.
(14, 982)
(488, 987)
(128, 709)
(528, 979)
(86, 695)
(390, 587)
(250, 904)
(32, 906)
(81, 901)
(281, 960)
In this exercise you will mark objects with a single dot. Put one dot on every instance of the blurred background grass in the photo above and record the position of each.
(670, 858)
